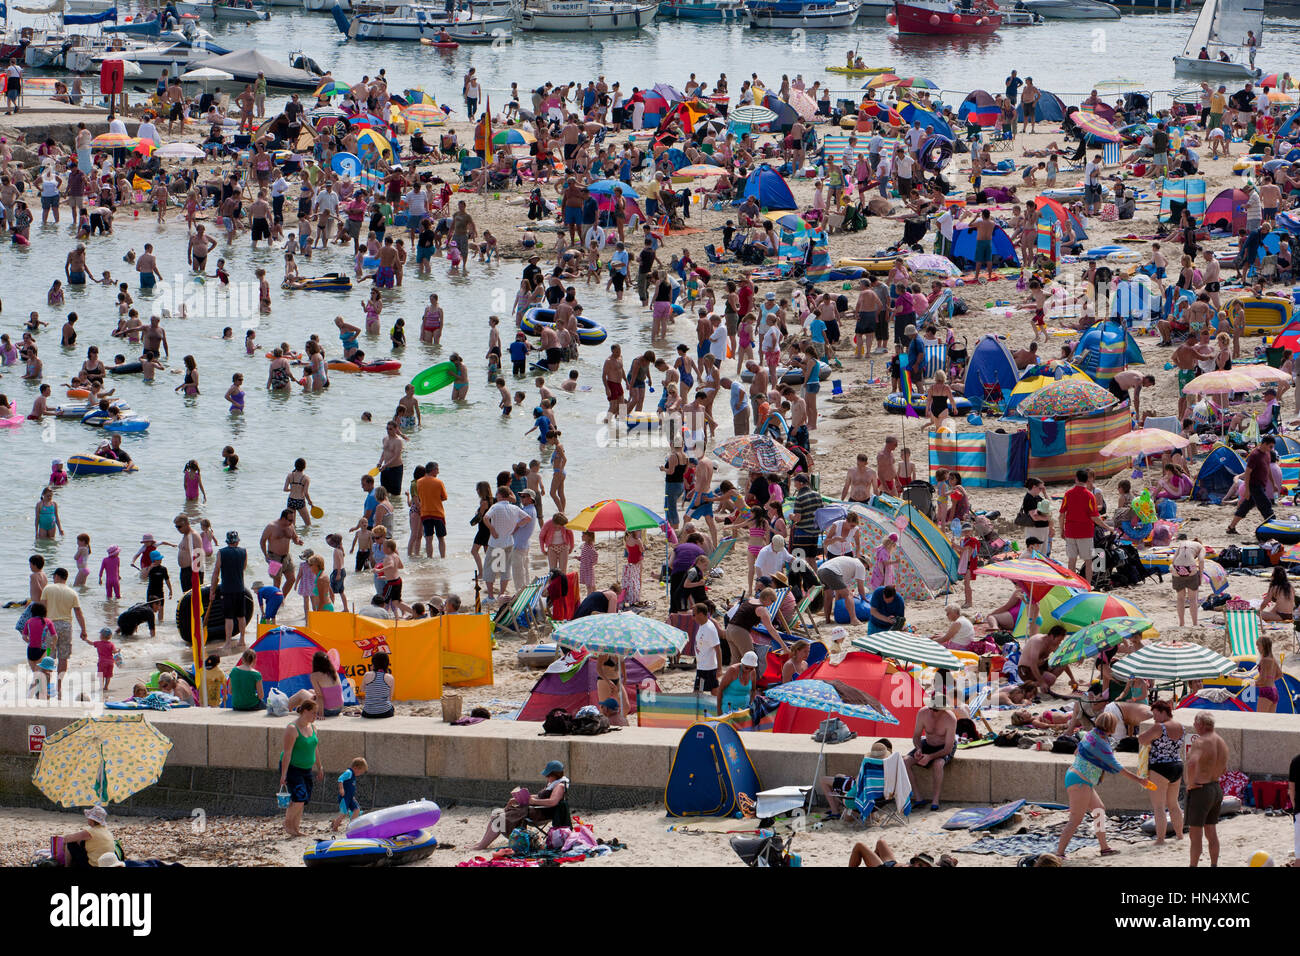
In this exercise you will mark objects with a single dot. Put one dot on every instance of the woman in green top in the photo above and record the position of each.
(246, 683)
(299, 764)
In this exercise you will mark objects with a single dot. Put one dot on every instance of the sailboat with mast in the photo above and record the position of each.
(1217, 47)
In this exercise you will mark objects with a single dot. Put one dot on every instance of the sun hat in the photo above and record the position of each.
(109, 859)
(749, 660)
(879, 750)
(96, 814)
(155, 556)
(46, 664)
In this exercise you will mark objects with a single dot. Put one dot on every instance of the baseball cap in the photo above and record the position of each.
(232, 537)
(553, 766)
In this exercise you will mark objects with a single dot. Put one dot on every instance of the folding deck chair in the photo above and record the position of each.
(1243, 629)
(883, 788)
(719, 554)
(527, 606)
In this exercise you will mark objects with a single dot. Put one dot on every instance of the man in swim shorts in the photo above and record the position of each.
(277, 538)
(613, 375)
(386, 276)
(1207, 759)
(935, 744)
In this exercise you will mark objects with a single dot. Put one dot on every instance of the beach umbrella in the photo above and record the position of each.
(669, 93)
(803, 104)
(905, 646)
(331, 88)
(1095, 126)
(418, 95)
(752, 115)
(881, 80)
(1065, 399)
(1117, 85)
(824, 696)
(755, 453)
(1143, 441)
(114, 141)
(513, 136)
(180, 151)
(1223, 382)
(1093, 606)
(917, 83)
(623, 634)
(615, 514)
(1036, 575)
(606, 187)
(1095, 638)
(1277, 96)
(204, 73)
(98, 760)
(1263, 373)
(322, 112)
(699, 171)
(1173, 660)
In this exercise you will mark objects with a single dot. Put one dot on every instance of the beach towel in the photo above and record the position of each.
(1168, 423)
(1018, 459)
(997, 456)
(1046, 437)
(1022, 844)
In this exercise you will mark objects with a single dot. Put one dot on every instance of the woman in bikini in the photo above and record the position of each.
(1268, 671)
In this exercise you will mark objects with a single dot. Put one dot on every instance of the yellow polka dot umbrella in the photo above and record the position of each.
(99, 760)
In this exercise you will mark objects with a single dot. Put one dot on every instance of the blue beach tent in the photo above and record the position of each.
(766, 185)
(991, 363)
(1214, 479)
(963, 248)
(711, 769)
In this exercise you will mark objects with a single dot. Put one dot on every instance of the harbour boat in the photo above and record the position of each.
(801, 14)
(245, 65)
(938, 18)
(1021, 18)
(412, 22)
(1220, 31)
(874, 8)
(174, 57)
(237, 11)
(1153, 6)
(585, 16)
(1072, 9)
(704, 11)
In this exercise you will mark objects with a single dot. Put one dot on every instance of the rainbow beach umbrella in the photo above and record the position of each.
(513, 137)
(114, 141)
(1095, 126)
(331, 88)
(1036, 575)
(615, 514)
(1093, 606)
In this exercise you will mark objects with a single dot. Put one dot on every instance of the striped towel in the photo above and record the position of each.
(836, 145)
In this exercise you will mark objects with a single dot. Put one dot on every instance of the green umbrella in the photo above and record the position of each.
(1173, 660)
(904, 646)
(624, 633)
(1095, 638)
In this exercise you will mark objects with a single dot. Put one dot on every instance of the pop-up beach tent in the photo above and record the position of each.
(711, 770)
(576, 686)
(284, 656)
(1218, 469)
(766, 185)
(991, 363)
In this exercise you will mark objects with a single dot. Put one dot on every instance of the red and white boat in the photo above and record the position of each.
(942, 18)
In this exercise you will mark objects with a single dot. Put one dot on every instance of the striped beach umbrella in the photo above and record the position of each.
(699, 171)
(904, 646)
(331, 88)
(513, 137)
(615, 514)
(1036, 575)
(755, 453)
(623, 634)
(1093, 606)
(1095, 126)
(881, 80)
(114, 141)
(1173, 660)
(1087, 643)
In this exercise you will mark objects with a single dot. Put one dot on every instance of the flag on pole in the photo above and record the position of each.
(196, 623)
(905, 377)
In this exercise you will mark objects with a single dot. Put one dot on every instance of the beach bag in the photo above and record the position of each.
(277, 703)
(591, 725)
(1065, 744)
(557, 721)
(1165, 508)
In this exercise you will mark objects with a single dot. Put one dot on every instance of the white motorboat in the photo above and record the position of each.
(1217, 48)
(239, 11)
(585, 16)
(413, 23)
(1071, 9)
(801, 14)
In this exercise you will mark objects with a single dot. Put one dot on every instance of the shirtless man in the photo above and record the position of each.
(886, 468)
(860, 481)
(75, 269)
(174, 97)
(867, 307)
(259, 212)
(1128, 384)
(41, 406)
(1184, 360)
(935, 743)
(984, 227)
(1026, 357)
(1207, 759)
(386, 275)
(155, 338)
(187, 545)
(703, 333)
(277, 538)
(147, 266)
(1034, 654)
(613, 376)
(390, 460)
(1210, 279)
(757, 390)
(196, 252)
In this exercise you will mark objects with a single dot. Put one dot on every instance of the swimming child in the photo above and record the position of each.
(58, 476)
(110, 573)
(505, 404)
(193, 482)
(338, 573)
(83, 556)
(207, 536)
(250, 341)
(398, 334)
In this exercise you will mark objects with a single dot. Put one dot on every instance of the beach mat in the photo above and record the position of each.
(1022, 844)
(983, 818)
